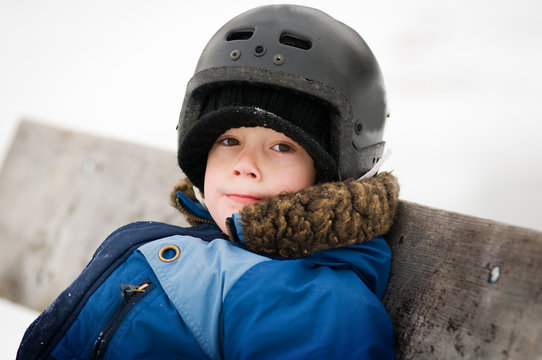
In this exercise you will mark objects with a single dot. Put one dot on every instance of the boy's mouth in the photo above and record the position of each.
(242, 198)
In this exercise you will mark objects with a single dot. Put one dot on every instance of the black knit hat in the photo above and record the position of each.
(302, 119)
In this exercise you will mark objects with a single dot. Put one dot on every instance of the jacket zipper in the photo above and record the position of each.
(230, 228)
(132, 294)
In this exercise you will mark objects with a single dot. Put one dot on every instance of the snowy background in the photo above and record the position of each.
(463, 80)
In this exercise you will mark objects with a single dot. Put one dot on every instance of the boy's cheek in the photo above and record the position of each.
(292, 183)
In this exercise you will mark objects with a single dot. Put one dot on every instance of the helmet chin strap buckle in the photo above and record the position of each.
(376, 166)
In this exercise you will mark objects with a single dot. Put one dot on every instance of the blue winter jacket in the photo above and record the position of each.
(157, 291)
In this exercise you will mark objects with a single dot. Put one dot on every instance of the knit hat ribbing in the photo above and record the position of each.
(303, 112)
(303, 119)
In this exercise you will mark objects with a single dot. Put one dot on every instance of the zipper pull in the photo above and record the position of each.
(126, 288)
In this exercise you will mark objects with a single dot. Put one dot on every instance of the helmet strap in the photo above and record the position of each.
(376, 167)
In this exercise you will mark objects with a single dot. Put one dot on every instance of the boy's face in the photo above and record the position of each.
(248, 164)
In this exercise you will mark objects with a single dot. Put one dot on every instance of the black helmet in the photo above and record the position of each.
(293, 50)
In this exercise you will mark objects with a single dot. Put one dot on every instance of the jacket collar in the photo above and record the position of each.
(321, 217)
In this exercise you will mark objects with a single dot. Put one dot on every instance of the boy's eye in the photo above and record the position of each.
(282, 148)
(229, 141)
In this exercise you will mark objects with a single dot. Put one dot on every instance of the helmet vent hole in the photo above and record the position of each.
(240, 35)
(295, 41)
(359, 128)
(259, 50)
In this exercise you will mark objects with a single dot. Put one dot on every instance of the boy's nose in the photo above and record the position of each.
(247, 165)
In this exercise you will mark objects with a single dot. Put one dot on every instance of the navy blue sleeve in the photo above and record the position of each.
(299, 310)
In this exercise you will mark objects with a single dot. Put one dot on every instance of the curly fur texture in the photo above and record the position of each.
(319, 217)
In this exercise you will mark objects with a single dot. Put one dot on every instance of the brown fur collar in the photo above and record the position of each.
(319, 217)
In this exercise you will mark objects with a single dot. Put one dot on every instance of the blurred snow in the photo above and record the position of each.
(15, 320)
(463, 82)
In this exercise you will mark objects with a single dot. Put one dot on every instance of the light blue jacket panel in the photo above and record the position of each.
(198, 281)
(239, 305)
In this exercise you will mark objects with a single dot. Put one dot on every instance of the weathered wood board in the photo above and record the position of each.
(463, 287)
(61, 194)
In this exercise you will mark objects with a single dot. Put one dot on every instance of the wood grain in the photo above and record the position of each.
(444, 296)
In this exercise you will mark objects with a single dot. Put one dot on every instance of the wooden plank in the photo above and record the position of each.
(463, 287)
(61, 194)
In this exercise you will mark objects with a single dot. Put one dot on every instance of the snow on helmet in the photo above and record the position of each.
(309, 56)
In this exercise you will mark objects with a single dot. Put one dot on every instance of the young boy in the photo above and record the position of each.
(285, 111)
